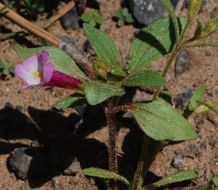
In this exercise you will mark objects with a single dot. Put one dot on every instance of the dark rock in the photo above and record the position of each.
(146, 11)
(70, 20)
(28, 163)
(181, 100)
(182, 62)
(178, 161)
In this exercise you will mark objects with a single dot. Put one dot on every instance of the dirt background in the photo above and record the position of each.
(29, 118)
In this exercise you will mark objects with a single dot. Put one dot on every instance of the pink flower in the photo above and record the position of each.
(37, 71)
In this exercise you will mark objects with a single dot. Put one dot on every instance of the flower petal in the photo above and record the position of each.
(43, 57)
(47, 72)
(25, 70)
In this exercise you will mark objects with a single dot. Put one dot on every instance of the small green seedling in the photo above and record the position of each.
(32, 7)
(123, 16)
(8, 5)
(7, 69)
(92, 17)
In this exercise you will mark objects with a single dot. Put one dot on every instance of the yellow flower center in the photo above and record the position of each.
(37, 74)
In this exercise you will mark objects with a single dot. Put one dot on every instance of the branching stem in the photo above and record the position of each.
(147, 157)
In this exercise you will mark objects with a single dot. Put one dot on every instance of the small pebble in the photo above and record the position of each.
(28, 163)
(182, 62)
(73, 169)
(9, 105)
(70, 20)
(181, 100)
(178, 161)
(146, 11)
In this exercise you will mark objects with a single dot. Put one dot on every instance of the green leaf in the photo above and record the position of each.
(118, 13)
(100, 20)
(8, 5)
(62, 61)
(129, 18)
(145, 78)
(193, 9)
(86, 17)
(160, 121)
(207, 106)
(92, 23)
(124, 12)
(2, 65)
(215, 181)
(120, 22)
(71, 100)
(196, 97)
(170, 9)
(97, 92)
(202, 44)
(101, 173)
(105, 48)
(210, 28)
(173, 178)
(152, 43)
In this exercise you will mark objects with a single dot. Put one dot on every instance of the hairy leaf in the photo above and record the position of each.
(97, 92)
(170, 9)
(215, 181)
(210, 28)
(62, 61)
(197, 96)
(105, 49)
(173, 178)
(211, 105)
(202, 44)
(144, 78)
(160, 121)
(101, 173)
(152, 43)
(193, 9)
(70, 101)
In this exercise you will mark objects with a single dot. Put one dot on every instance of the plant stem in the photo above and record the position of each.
(112, 157)
(149, 150)
(147, 157)
(178, 47)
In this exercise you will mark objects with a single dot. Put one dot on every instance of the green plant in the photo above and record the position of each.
(157, 118)
(92, 17)
(7, 68)
(123, 16)
(32, 7)
(7, 5)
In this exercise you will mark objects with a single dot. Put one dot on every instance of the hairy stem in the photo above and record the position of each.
(111, 123)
